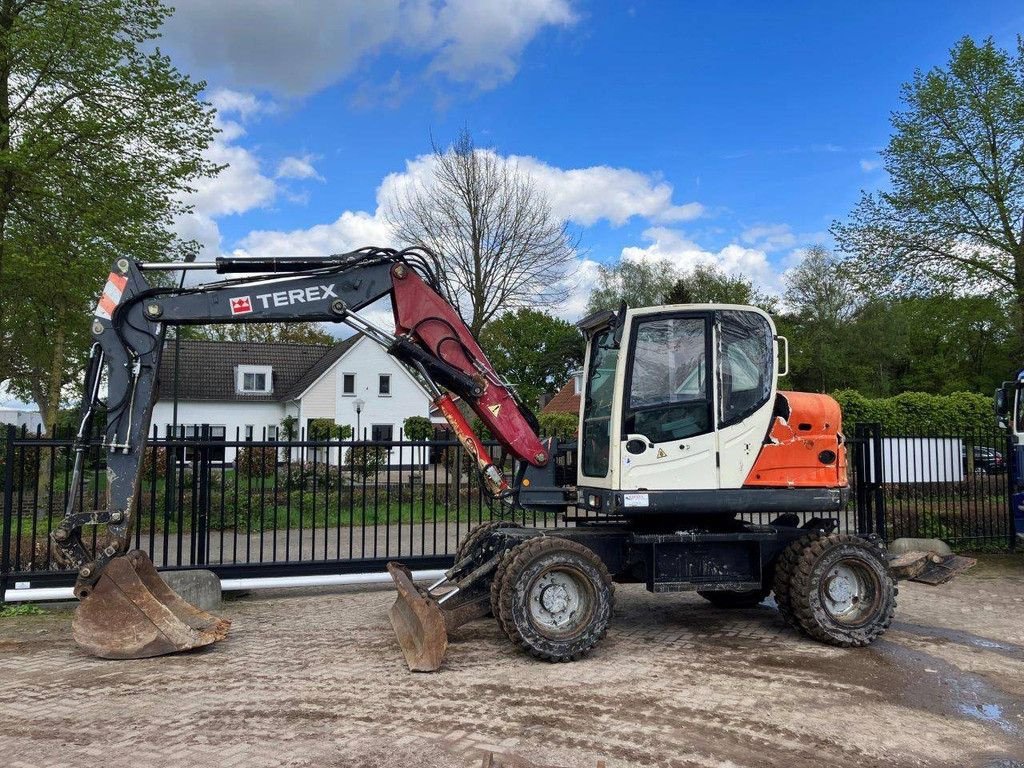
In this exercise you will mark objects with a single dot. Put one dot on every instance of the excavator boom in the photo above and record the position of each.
(126, 610)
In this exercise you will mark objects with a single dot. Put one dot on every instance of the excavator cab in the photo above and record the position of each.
(681, 403)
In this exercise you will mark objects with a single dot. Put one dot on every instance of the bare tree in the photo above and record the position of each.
(497, 242)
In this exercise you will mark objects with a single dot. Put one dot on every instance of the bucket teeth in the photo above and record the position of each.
(131, 613)
(418, 622)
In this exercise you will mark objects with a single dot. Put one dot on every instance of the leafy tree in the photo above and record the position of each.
(327, 429)
(497, 243)
(533, 350)
(707, 284)
(417, 428)
(293, 333)
(954, 215)
(821, 300)
(100, 137)
(638, 283)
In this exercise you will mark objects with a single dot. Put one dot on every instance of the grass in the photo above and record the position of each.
(20, 609)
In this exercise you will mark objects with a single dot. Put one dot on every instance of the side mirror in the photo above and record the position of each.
(1003, 402)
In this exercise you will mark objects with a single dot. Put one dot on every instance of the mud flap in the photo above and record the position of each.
(418, 622)
(131, 613)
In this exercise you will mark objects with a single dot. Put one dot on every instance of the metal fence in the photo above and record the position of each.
(344, 506)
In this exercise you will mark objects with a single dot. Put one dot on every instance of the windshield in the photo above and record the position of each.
(597, 407)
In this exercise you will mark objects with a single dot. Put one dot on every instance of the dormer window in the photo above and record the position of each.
(254, 379)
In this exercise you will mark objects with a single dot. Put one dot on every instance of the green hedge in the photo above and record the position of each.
(912, 412)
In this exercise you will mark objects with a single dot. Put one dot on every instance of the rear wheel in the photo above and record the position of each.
(842, 592)
(555, 598)
(734, 599)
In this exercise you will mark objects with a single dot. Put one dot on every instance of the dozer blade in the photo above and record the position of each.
(131, 613)
(418, 622)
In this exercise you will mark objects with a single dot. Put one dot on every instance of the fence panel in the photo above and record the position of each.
(346, 505)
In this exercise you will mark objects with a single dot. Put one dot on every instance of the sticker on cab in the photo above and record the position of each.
(635, 500)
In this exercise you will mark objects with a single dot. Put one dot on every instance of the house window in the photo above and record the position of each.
(382, 432)
(254, 379)
(248, 432)
(272, 431)
(348, 384)
(384, 385)
(190, 432)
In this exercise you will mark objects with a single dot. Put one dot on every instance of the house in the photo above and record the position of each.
(22, 416)
(244, 390)
(567, 399)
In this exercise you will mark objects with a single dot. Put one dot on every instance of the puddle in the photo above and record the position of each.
(962, 638)
(945, 684)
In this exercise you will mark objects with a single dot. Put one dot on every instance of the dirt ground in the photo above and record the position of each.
(316, 678)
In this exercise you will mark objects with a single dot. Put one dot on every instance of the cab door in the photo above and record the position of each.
(668, 437)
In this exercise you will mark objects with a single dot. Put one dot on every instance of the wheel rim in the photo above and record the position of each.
(850, 592)
(561, 601)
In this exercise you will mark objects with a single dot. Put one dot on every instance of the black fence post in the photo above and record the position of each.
(1012, 481)
(878, 481)
(8, 516)
(202, 469)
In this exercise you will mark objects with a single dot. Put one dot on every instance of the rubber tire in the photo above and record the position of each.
(814, 562)
(733, 599)
(785, 566)
(478, 534)
(524, 561)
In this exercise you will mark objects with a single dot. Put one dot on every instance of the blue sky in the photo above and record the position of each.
(724, 132)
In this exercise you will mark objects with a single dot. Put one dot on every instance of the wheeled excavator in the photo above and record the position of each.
(682, 429)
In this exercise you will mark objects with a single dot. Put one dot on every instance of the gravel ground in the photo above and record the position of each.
(315, 678)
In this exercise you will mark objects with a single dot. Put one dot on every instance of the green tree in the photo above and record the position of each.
(293, 333)
(707, 284)
(100, 140)
(638, 283)
(954, 214)
(821, 301)
(533, 350)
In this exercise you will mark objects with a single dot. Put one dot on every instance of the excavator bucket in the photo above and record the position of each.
(418, 622)
(131, 613)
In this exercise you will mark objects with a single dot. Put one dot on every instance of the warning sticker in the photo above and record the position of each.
(635, 500)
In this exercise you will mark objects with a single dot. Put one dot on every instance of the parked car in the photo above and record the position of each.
(987, 461)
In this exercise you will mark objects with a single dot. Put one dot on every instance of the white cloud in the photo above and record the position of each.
(870, 165)
(769, 237)
(239, 187)
(299, 48)
(582, 195)
(734, 259)
(351, 230)
(298, 168)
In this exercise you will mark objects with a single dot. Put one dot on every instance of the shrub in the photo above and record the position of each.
(366, 460)
(326, 429)
(912, 412)
(558, 424)
(256, 460)
(417, 428)
(307, 476)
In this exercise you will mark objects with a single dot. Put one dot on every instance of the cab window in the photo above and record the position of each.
(746, 365)
(668, 385)
(597, 404)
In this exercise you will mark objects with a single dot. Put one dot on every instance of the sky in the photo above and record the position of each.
(730, 133)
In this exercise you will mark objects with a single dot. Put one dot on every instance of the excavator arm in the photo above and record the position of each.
(126, 611)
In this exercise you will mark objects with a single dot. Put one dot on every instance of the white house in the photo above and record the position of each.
(248, 388)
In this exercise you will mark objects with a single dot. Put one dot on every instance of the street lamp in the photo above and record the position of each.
(358, 403)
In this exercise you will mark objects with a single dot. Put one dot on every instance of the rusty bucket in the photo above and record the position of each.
(418, 622)
(131, 613)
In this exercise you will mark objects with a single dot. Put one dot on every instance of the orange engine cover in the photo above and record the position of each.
(806, 449)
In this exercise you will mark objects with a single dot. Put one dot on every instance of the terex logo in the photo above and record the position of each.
(241, 306)
(296, 296)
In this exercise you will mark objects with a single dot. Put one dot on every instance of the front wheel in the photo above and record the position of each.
(841, 591)
(555, 598)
